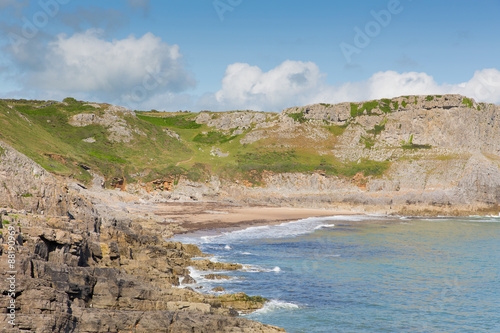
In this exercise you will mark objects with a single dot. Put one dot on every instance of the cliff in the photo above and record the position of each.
(81, 265)
(411, 154)
(87, 262)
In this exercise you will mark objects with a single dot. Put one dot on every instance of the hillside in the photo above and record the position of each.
(406, 154)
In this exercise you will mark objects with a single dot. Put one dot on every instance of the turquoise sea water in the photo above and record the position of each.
(390, 275)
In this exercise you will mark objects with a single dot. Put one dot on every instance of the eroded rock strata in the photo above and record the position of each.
(82, 268)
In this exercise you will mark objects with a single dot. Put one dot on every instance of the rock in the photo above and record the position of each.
(101, 269)
(113, 118)
(206, 265)
(188, 280)
(219, 289)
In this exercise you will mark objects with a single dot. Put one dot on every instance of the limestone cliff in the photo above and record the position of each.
(83, 266)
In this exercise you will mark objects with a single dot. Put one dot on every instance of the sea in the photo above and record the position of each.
(364, 273)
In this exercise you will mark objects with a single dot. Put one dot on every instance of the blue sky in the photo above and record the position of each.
(247, 54)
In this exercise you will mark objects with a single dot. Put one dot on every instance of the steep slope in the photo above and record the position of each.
(81, 266)
(433, 151)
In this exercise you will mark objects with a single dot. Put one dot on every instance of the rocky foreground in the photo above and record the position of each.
(80, 266)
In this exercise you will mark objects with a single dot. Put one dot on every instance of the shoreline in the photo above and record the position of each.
(214, 216)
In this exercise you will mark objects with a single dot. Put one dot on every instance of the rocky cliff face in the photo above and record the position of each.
(82, 266)
(444, 154)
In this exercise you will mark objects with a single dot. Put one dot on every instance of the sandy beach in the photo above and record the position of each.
(195, 216)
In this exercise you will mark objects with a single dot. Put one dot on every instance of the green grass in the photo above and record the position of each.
(377, 129)
(429, 98)
(415, 146)
(366, 167)
(386, 108)
(411, 145)
(4, 222)
(367, 106)
(177, 121)
(368, 142)
(336, 129)
(49, 140)
(354, 110)
(404, 104)
(395, 105)
(299, 117)
(107, 157)
(212, 137)
(27, 195)
(44, 134)
(467, 102)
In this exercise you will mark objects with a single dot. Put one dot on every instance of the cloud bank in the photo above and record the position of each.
(129, 71)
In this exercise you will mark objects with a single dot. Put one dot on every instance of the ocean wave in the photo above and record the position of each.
(283, 230)
(274, 305)
(324, 226)
(256, 269)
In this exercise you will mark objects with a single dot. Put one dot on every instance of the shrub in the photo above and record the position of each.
(70, 100)
(179, 121)
(377, 129)
(298, 117)
(212, 137)
(467, 102)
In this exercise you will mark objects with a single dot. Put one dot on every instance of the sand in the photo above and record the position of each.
(196, 216)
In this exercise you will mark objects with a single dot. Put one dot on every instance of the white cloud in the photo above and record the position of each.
(484, 86)
(391, 84)
(245, 86)
(131, 69)
(295, 83)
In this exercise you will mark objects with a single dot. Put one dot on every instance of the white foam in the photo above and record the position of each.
(256, 269)
(227, 247)
(324, 226)
(274, 305)
(284, 230)
(203, 284)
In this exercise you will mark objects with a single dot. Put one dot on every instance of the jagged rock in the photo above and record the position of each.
(99, 270)
(206, 265)
(113, 118)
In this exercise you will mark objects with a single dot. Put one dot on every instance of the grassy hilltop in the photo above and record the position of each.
(75, 138)
(42, 131)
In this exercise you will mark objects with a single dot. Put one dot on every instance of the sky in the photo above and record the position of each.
(264, 55)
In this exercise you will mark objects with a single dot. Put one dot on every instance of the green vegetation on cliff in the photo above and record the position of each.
(76, 138)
